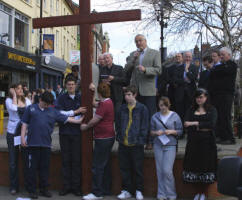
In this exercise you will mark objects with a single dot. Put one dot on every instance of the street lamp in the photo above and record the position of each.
(40, 30)
(201, 52)
(160, 8)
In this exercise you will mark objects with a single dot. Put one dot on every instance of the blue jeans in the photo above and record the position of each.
(101, 169)
(164, 160)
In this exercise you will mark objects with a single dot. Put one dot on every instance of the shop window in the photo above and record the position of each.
(5, 25)
(21, 32)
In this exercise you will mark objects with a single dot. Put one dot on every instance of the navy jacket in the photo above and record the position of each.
(138, 131)
(66, 103)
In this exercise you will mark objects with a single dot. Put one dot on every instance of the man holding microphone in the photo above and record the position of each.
(144, 65)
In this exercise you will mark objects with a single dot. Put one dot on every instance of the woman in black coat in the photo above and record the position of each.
(200, 162)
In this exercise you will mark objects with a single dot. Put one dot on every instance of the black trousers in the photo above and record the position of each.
(131, 160)
(223, 104)
(70, 146)
(101, 167)
(13, 160)
(38, 165)
(181, 106)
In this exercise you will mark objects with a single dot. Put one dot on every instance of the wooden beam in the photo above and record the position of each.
(86, 101)
(92, 18)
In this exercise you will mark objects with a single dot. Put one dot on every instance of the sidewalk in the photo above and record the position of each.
(4, 195)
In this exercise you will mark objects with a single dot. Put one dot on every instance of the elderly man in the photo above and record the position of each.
(114, 76)
(185, 78)
(101, 61)
(144, 65)
(222, 88)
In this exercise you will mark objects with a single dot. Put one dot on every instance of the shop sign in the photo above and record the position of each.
(48, 43)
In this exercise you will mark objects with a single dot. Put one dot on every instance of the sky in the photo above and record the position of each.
(122, 35)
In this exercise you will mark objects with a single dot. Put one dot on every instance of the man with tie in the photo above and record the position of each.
(144, 65)
(185, 78)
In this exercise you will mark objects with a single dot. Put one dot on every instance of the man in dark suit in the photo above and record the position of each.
(169, 78)
(115, 77)
(222, 89)
(204, 75)
(185, 78)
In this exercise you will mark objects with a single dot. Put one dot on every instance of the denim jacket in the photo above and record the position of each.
(138, 131)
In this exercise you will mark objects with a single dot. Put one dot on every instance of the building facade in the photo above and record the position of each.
(20, 41)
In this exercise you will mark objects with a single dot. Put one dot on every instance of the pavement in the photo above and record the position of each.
(4, 195)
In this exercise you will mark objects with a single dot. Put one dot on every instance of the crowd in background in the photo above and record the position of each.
(140, 105)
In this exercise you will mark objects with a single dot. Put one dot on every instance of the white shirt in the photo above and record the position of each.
(141, 56)
(13, 118)
(164, 118)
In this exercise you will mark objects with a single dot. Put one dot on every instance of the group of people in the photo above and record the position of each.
(125, 104)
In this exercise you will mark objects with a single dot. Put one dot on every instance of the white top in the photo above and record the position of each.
(164, 118)
(13, 118)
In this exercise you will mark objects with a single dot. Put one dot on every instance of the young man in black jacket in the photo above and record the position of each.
(70, 139)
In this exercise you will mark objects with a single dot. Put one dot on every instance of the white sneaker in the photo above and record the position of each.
(139, 195)
(124, 195)
(196, 197)
(91, 197)
(202, 197)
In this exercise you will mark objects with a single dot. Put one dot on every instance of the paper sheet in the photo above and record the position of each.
(17, 140)
(164, 139)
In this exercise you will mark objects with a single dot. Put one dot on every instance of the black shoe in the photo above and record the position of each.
(33, 195)
(64, 192)
(227, 142)
(45, 193)
(77, 193)
(13, 192)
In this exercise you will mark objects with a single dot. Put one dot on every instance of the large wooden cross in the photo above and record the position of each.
(84, 19)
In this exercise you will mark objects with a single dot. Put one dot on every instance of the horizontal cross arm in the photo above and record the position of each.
(92, 18)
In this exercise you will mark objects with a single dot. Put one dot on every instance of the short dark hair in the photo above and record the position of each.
(131, 88)
(75, 68)
(104, 90)
(207, 58)
(216, 51)
(70, 78)
(47, 97)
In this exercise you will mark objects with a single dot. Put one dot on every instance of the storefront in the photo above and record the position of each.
(17, 66)
(51, 72)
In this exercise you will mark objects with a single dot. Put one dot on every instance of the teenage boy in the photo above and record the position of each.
(40, 120)
(70, 139)
(132, 130)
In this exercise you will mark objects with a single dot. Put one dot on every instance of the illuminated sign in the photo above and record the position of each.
(22, 59)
